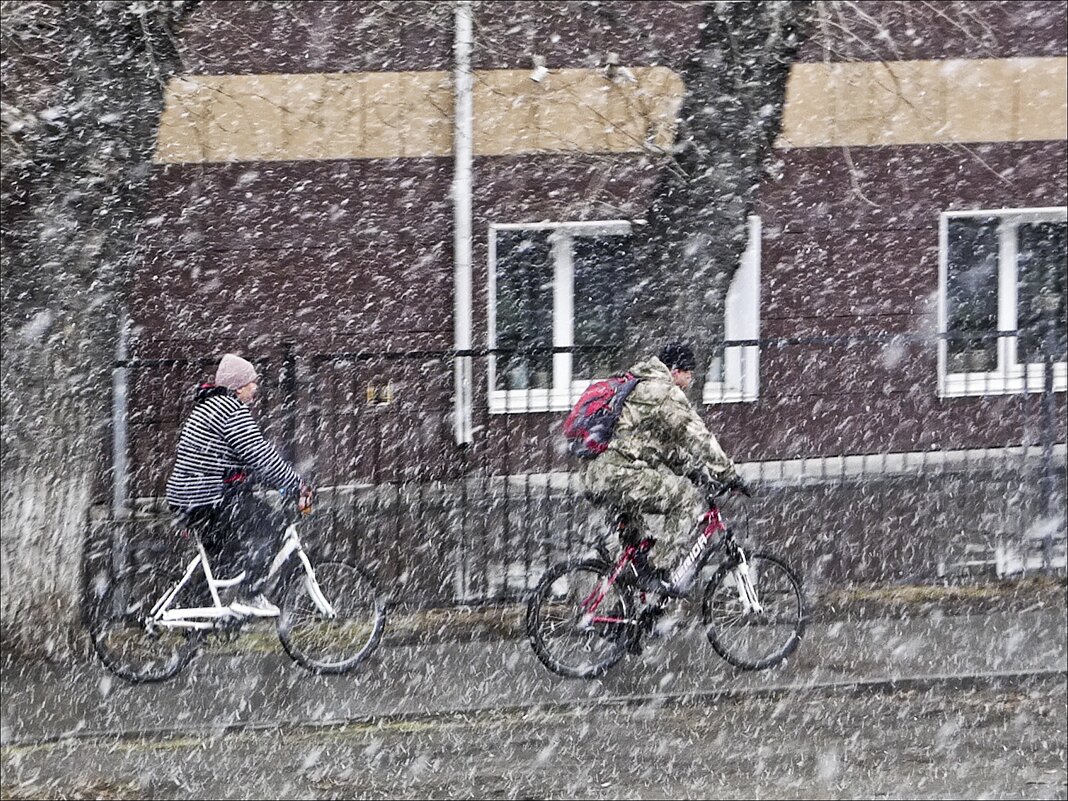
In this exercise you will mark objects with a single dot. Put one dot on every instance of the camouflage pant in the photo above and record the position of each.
(640, 491)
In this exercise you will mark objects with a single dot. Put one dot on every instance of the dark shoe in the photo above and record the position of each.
(644, 577)
(665, 625)
(654, 579)
(649, 617)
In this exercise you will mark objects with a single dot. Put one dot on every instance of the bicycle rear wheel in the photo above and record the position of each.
(566, 636)
(324, 642)
(128, 643)
(748, 639)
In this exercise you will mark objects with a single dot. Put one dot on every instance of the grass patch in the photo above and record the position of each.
(985, 596)
(506, 621)
(104, 790)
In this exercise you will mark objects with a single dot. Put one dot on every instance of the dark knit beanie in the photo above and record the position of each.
(678, 356)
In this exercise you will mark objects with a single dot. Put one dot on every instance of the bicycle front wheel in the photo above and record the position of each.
(755, 637)
(578, 624)
(331, 620)
(129, 642)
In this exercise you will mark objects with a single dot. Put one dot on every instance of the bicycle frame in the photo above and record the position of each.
(209, 617)
(693, 561)
(710, 525)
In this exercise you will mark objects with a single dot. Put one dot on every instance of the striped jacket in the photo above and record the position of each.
(219, 438)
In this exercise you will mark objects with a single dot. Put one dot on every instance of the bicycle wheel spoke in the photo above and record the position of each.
(129, 645)
(552, 628)
(338, 642)
(755, 637)
(569, 638)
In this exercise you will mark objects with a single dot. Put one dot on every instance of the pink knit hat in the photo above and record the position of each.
(234, 372)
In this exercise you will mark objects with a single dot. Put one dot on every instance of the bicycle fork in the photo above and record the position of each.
(291, 544)
(744, 584)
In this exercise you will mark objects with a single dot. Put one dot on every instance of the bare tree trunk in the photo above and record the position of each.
(44, 520)
(697, 230)
(83, 89)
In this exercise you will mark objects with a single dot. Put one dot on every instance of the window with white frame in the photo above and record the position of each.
(1002, 300)
(556, 285)
(734, 372)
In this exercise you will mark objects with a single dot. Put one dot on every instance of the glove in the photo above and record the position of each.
(702, 477)
(737, 484)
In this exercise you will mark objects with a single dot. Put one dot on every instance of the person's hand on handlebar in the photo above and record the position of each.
(305, 499)
(738, 484)
(702, 477)
(720, 486)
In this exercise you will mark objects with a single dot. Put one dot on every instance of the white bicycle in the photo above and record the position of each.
(147, 624)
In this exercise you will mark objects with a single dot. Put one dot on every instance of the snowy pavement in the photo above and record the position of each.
(220, 692)
(986, 741)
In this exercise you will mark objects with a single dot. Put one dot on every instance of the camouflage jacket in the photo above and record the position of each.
(659, 426)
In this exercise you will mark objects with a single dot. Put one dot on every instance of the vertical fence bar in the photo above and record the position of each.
(287, 385)
(1049, 400)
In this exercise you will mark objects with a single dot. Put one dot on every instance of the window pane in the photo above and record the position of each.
(972, 294)
(604, 286)
(524, 308)
(1042, 259)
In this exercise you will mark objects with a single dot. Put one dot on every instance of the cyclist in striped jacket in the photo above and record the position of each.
(221, 454)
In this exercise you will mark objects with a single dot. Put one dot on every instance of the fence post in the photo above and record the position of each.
(1049, 435)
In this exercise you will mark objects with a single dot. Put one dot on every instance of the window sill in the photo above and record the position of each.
(958, 385)
(716, 394)
(526, 401)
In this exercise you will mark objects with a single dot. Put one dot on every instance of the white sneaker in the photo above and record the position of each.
(256, 606)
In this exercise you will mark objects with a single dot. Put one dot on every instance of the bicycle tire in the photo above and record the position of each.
(556, 589)
(331, 645)
(123, 640)
(779, 590)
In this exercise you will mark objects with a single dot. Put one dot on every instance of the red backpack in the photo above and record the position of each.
(590, 425)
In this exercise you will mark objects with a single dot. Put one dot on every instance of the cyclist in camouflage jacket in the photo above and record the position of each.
(658, 441)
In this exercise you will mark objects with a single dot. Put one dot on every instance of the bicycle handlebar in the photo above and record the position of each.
(715, 488)
(300, 500)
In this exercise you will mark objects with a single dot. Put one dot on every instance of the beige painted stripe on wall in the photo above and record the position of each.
(217, 118)
(921, 102)
(214, 118)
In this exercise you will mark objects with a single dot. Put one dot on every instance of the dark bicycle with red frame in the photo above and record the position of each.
(584, 615)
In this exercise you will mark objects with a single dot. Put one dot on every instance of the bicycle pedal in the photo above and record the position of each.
(234, 620)
(649, 616)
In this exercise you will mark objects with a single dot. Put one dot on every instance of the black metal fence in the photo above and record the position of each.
(875, 461)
